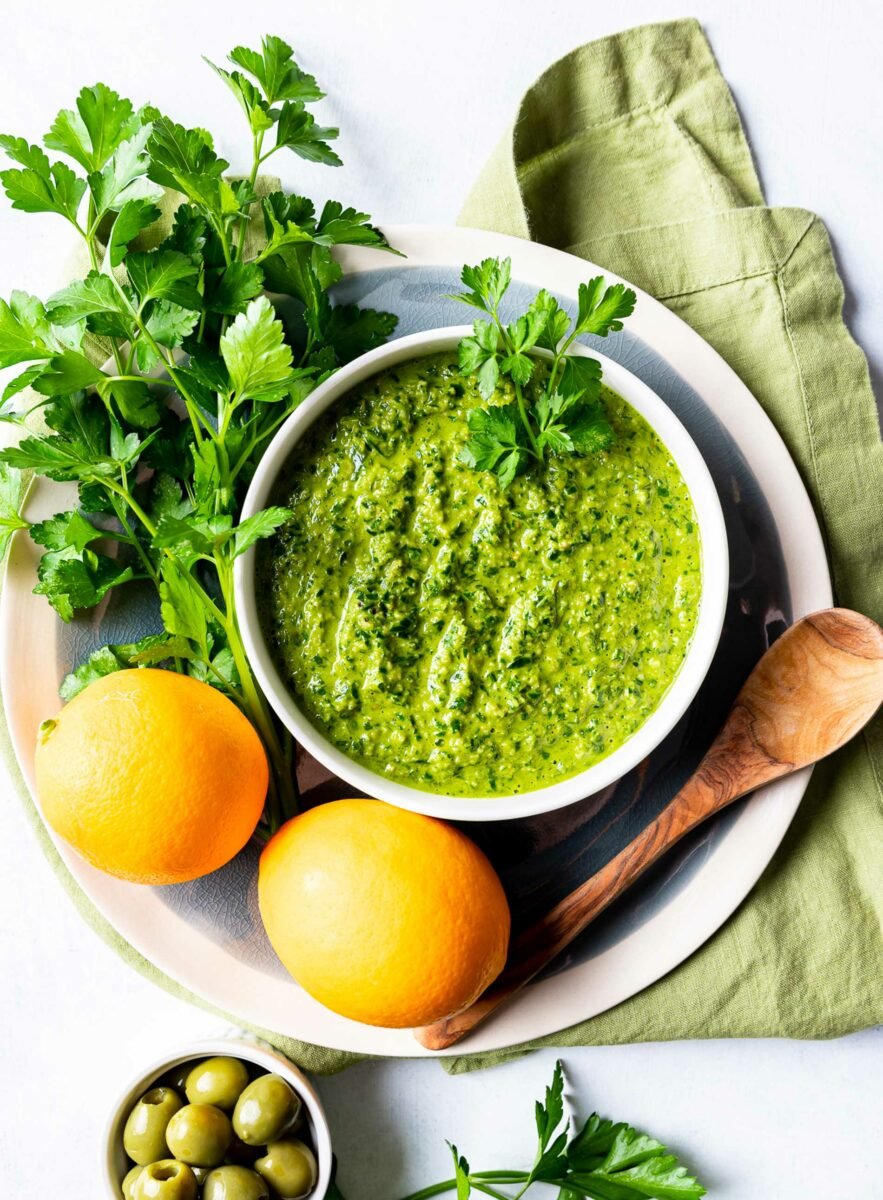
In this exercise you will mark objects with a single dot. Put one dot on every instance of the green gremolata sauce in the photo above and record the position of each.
(461, 638)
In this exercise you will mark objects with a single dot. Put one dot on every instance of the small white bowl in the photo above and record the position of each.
(715, 579)
(115, 1164)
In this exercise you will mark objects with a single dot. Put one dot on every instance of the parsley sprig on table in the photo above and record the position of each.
(564, 415)
(604, 1160)
(200, 367)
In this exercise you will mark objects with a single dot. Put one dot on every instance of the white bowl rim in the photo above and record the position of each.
(675, 701)
(238, 1045)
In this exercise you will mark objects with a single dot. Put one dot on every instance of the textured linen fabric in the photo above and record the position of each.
(630, 153)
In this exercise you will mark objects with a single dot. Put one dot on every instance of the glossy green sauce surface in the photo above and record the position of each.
(460, 638)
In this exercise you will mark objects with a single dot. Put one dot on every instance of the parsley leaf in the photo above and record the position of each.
(297, 130)
(581, 374)
(168, 325)
(72, 579)
(102, 122)
(183, 159)
(16, 385)
(602, 310)
(555, 321)
(25, 332)
(183, 612)
(479, 355)
(253, 104)
(134, 400)
(557, 409)
(261, 525)
(134, 217)
(64, 530)
(276, 71)
(97, 301)
(43, 188)
(347, 331)
(164, 275)
(67, 372)
(345, 226)
(124, 176)
(255, 352)
(496, 443)
(589, 429)
(488, 283)
(228, 290)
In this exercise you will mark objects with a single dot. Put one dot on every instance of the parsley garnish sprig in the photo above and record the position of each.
(563, 416)
(200, 367)
(603, 1160)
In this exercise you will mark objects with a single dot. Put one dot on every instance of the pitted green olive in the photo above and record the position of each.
(144, 1136)
(165, 1180)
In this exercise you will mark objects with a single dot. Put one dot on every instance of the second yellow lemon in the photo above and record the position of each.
(383, 915)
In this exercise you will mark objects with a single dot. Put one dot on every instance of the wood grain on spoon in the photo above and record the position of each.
(812, 691)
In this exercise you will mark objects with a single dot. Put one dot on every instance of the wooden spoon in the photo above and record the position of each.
(812, 691)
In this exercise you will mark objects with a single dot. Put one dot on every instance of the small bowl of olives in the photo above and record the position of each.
(222, 1120)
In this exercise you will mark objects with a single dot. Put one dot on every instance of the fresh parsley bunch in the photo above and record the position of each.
(563, 415)
(604, 1160)
(203, 367)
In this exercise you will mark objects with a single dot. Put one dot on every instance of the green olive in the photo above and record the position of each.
(144, 1136)
(199, 1134)
(165, 1180)
(234, 1183)
(266, 1109)
(218, 1081)
(129, 1181)
(290, 1169)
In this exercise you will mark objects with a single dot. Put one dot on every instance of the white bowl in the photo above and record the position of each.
(715, 578)
(115, 1164)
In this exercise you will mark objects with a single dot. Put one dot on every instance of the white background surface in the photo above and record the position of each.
(422, 93)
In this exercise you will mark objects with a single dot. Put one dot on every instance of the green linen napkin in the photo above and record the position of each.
(630, 152)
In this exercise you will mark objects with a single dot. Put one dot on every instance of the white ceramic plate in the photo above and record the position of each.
(207, 935)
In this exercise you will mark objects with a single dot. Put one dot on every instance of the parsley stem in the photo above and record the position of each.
(130, 537)
(519, 395)
(96, 266)
(283, 784)
(435, 1189)
(133, 504)
(257, 142)
(525, 420)
(256, 441)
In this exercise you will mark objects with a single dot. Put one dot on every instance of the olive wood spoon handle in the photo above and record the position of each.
(812, 691)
